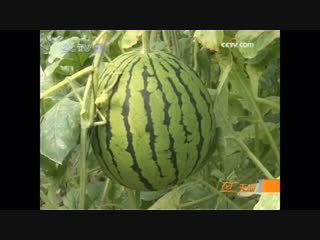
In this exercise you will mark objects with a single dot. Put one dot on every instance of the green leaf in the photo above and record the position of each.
(60, 129)
(195, 192)
(236, 111)
(47, 82)
(255, 73)
(232, 162)
(233, 147)
(210, 39)
(221, 143)
(169, 201)
(45, 41)
(266, 38)
(113, 48)
(248, 35)
(59, 49)
(260, 39)
(221, 101)
(270, 79)
(152, 195)
(247, 200)
(249, 132)
(71, 200)
(56, 172)
(130, 38)
(268, 201)
(241, 86)
(73, 61)
(48, 102)
(185, 45)
(215, 72)
(265, 71)
(51, 68)
(49, 167)
(95, 190)
(221, 112)
(117, 195)
(217, 173)
(205, 65)
(213, 93)
(92, 161)
(158, 46)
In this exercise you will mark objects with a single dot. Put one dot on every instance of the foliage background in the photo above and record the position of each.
(244, 84)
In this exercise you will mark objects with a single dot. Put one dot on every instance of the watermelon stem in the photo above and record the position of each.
(98, 56)
(153, 38)
(145, 42)
(166, 40)
(175, 41)
(98, 38)
(195, 56)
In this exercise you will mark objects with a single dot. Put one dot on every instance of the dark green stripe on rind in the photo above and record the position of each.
(117, 64)
(203, 91)
(130, 149)
(108, 122)
(167, 121)
(195, 77)
(178, 94)
(187, 133)
(194, 103)
(98, 153)
(150, 125)
(108, 128)
(188, 112)
(118, 141)
(105, 131)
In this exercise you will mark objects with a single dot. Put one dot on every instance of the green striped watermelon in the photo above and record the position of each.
(160, 124)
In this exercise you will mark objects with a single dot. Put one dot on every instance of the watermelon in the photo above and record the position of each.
(160, 125)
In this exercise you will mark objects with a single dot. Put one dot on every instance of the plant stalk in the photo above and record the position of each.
(87, 115)
(268, 134)
(217, 192)
(83, 167)
(196, 202)
(272, 104)
(97, 58)
(254, 159)
(252, 99)
(66, 81)
(106, 192)
(98, 38)
(133, 203)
